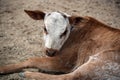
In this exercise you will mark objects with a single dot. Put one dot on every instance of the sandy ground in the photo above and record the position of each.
(21, 37)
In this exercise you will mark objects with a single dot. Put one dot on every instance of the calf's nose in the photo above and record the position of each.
(50, 52)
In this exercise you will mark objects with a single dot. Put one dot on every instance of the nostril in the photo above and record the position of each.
(52, 52)
(47, 51)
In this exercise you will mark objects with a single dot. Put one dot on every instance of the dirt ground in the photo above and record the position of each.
(21, 37)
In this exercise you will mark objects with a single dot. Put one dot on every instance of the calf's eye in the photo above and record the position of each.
(45, 30)
(63, 34)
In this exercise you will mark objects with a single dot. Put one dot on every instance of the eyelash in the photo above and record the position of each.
(63, 34)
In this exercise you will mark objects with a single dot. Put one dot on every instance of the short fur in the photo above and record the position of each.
(92, 51)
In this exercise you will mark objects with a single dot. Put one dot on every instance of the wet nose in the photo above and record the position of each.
(50, 52)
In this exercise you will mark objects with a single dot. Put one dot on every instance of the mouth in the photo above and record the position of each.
(50, 54)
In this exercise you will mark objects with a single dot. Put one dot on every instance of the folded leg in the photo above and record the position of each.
(47, 64)
(97, 67)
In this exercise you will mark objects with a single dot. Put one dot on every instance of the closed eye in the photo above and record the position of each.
(64, 33)
(45, 30)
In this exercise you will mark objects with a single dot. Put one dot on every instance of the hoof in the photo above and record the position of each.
(22, 74)
(2, 73)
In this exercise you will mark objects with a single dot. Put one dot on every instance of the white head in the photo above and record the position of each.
(56, 30)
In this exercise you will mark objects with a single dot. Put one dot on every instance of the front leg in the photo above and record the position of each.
(84, 72)
(42, 76)
(81, 73)
(47, 64)
(100, 66)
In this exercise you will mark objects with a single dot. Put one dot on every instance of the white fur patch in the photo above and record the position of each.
(109, 71)
(55, 24)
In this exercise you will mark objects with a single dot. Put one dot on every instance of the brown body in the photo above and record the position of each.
(91, 52)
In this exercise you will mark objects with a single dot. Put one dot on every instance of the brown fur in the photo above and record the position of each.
(90, 46)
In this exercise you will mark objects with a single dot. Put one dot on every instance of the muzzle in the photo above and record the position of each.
(50, 52)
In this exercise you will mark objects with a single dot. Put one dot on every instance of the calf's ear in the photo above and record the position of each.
(77, 20)
(36, 15)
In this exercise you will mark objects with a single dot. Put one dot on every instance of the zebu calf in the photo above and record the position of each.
(81, 47)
